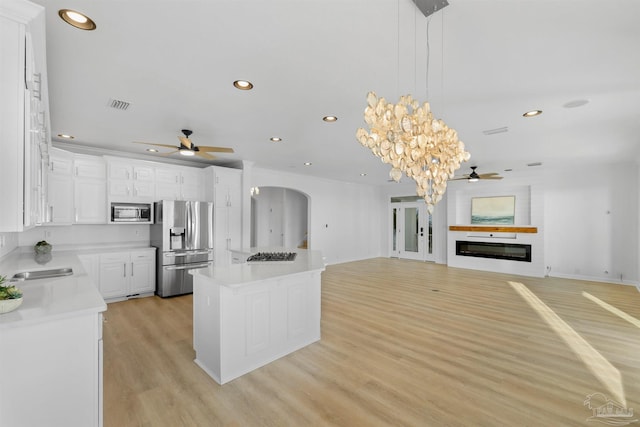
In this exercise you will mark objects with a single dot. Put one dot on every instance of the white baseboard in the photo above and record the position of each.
(596, 279)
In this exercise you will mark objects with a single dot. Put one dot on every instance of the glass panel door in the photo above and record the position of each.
(411, 231)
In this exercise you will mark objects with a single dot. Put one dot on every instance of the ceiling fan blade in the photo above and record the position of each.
(205, 155)
(157, 145)
(486, 175)
(207, 149)
(459, 178)
(490, 177)
(185, 141)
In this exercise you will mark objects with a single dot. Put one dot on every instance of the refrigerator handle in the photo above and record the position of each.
(187, 231)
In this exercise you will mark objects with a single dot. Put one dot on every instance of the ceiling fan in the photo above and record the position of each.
(188, 148)
(474, 176)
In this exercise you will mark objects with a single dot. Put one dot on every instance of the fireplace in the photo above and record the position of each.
(509, 251)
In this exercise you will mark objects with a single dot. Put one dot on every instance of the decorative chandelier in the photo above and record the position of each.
(407, 136)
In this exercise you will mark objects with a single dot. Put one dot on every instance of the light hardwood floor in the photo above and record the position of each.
(404, 343)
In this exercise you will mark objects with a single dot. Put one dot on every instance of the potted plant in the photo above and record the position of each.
(10, 297)
(43, 247)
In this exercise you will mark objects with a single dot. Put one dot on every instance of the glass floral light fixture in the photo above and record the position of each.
(407, 136)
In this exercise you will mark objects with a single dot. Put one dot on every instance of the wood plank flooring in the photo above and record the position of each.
(404, 343)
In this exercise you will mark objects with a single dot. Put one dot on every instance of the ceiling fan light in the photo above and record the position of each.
(187, 152)
(473, 179)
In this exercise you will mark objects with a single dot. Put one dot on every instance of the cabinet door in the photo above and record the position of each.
(90, 167)
(90, 201)
(144, 190)
(119, 189)
(119, 170)
(167, 184)
(143, 173)
(60, 198)
(91, 265)
(192, 184)
(113, 274)
(142, 272)
(221, 253)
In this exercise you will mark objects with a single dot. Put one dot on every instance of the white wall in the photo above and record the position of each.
(345, 219)
(591, 217)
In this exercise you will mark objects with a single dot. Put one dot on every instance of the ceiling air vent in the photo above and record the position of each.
(535, 164)
(118, 104)
(495, 131)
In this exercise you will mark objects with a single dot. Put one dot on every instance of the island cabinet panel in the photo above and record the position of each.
(242, 327)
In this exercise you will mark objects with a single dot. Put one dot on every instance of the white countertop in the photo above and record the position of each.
(48, 299)
(236, 275)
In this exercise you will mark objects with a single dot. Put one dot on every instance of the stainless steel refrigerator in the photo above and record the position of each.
(183, 235)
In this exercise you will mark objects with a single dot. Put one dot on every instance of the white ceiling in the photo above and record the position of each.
(489, 61)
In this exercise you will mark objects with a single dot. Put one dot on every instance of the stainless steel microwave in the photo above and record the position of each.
(131, 212)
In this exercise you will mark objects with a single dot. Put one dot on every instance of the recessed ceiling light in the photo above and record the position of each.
(363, 174)
(77, 19)
(152, 150)
(330, 119)
(307, 163)
(243, 84)
(532, 113)
(275, 139)
(65, 136)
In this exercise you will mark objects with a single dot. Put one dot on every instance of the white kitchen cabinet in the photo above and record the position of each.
(91, 265)
(60, 188)
(179, 183)
(228, 213)
(227, 186)
(24, 122)
(127, 273)
(130, 181)
(90, 190)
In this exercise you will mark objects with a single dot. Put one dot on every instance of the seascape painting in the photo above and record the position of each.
(493, 210)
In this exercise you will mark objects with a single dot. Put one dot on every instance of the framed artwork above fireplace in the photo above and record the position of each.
(493, 210)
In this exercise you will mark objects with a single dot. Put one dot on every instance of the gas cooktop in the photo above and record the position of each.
(262, 257)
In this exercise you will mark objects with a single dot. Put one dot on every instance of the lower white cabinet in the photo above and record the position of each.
(127, 273)
(52, 372)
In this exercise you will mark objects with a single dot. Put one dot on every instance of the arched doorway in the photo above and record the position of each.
(279, 218)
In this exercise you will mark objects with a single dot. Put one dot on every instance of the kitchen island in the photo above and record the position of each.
(249, 314)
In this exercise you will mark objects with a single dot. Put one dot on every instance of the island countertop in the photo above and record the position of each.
(236, 275)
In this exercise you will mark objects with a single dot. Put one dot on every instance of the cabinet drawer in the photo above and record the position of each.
(115, 257)
(142, 255)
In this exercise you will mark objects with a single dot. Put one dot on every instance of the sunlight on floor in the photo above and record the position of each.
(612, 309)
(606, 373)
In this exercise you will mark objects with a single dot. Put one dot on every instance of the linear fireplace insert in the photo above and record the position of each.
(510, 251)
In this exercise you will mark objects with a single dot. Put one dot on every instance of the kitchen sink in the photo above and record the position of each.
(42, 274)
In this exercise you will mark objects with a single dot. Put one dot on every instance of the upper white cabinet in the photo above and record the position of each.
(24, 120)
(60, 188)
(89, 190)
(130, 181)
(179, 183)
(227, 193)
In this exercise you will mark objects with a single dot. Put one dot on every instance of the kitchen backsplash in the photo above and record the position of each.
(85, 235)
